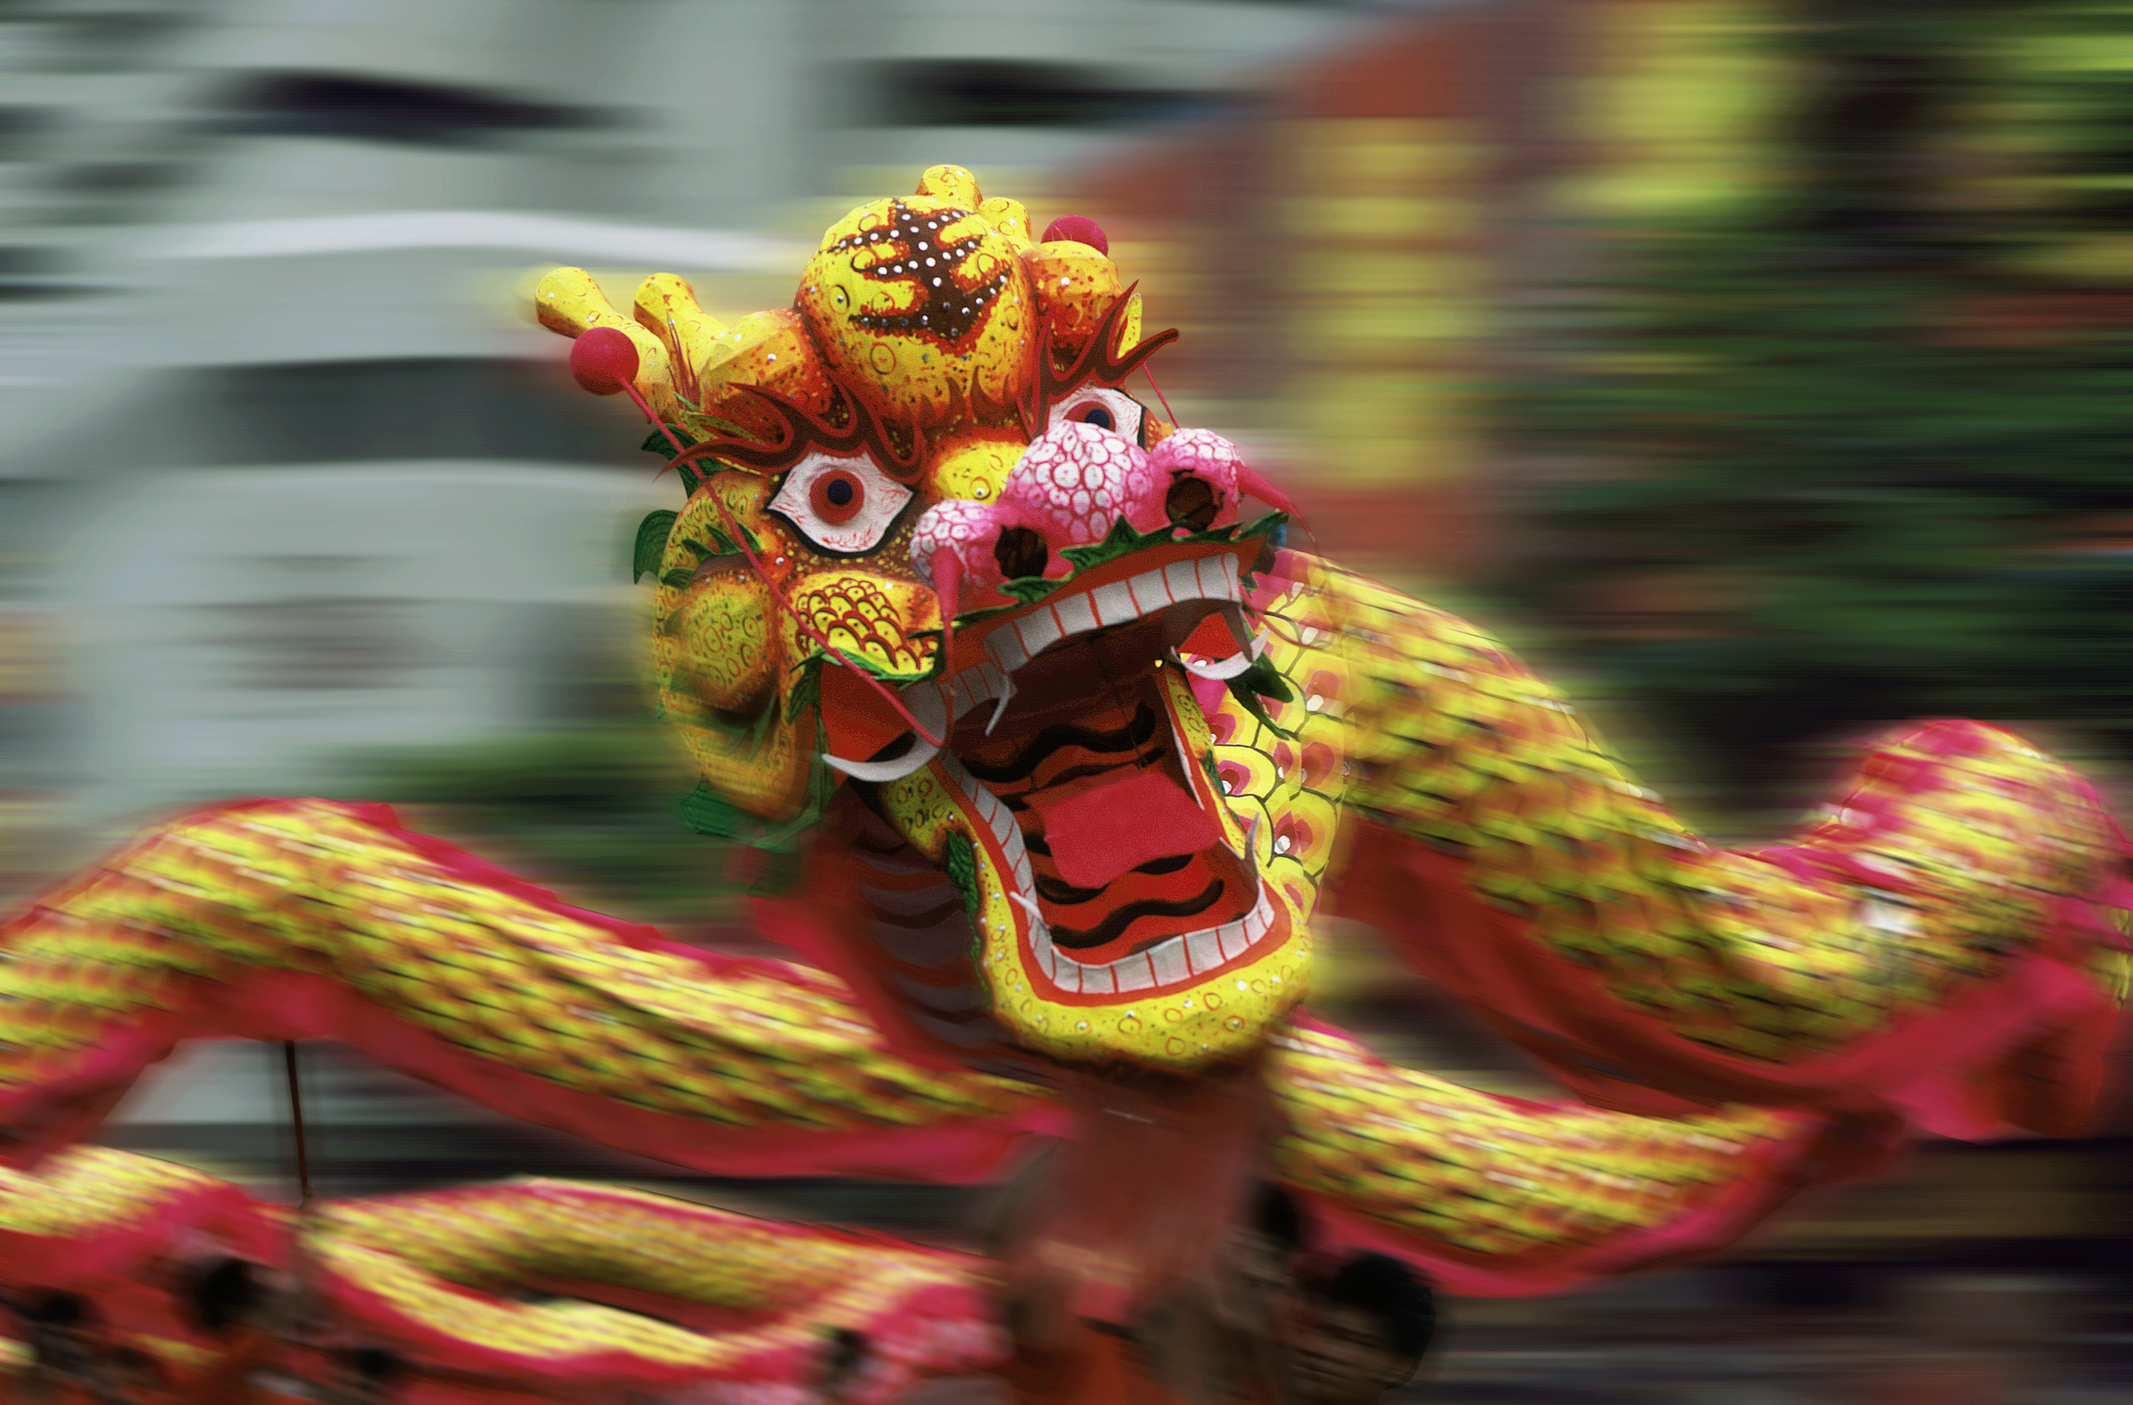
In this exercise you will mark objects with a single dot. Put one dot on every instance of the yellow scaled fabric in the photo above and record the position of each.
(431, 1256)
(92, 1189)
(313, 887)
(1967, 837)
(1490, 1178)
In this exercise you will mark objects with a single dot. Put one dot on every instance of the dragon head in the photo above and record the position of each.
(933, 549)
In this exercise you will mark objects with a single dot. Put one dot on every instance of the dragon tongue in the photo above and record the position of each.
(1124, 821)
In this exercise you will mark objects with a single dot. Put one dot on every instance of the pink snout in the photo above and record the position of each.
(1068, 489)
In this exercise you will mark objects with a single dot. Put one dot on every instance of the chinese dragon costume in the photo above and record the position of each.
(1055, 748)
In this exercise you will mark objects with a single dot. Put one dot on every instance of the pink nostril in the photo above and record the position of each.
(1200, 470)
(963, 533)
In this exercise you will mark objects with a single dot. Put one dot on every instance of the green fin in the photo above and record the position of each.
(713, 815)
(651, 547)
(960, 857)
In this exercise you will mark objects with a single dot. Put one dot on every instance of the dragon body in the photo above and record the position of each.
(1061, 751)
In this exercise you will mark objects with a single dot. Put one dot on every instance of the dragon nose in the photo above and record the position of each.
(1073, 483)
(1067, 489)
(1070, 487)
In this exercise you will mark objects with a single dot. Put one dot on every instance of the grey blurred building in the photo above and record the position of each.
(283, 470)
(285, 473)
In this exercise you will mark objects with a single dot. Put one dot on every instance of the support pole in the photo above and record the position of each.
(296, 1113)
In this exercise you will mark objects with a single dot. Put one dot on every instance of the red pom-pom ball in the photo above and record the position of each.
(603, 359)
(1079, 228)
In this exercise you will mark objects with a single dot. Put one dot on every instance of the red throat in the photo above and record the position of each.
(1128, 819)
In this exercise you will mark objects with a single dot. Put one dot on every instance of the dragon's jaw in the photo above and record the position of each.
(1122, 906)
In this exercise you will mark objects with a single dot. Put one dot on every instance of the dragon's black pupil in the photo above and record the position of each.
(839, 491)
(1098, 416)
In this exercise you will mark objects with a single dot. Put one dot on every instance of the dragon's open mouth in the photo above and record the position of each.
(1071, 745)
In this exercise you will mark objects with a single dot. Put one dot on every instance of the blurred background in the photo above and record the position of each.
(1759, 366)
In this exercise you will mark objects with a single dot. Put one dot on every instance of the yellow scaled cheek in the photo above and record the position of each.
(871, 617)
(722, 636)
(922, 809)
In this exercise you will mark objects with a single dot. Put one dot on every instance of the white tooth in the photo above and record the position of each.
(1169, 962)
(1202, 952)
(1234, 943)
(1002, 822)
(1181, 581)
(1006, 650)
(1232, 585)
(930, 706)
(1133, 972)
(1066, 975)
(1150, 589)
(1037, 632)
(1022, 874)
(1114, 603)
(999, 709)
(1208, 576)
(895, 770)
(1260, 918)
(1096, 980)
(1076, 615)
(1215, 668)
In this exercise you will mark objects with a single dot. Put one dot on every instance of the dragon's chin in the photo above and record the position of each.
(1113, 872)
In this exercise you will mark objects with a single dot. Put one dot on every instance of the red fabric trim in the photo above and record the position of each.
(1563, 1014)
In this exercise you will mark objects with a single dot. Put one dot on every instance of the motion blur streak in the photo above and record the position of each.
(1766, 361)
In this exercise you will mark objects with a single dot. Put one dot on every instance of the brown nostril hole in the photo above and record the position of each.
(1020, 552)
(1191, 504)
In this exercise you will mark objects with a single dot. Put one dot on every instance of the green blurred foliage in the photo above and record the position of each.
(590, 810)
(1862, 449)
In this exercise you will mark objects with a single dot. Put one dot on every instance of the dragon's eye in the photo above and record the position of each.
(1112, 410)
(837, 496)
(843, 505)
